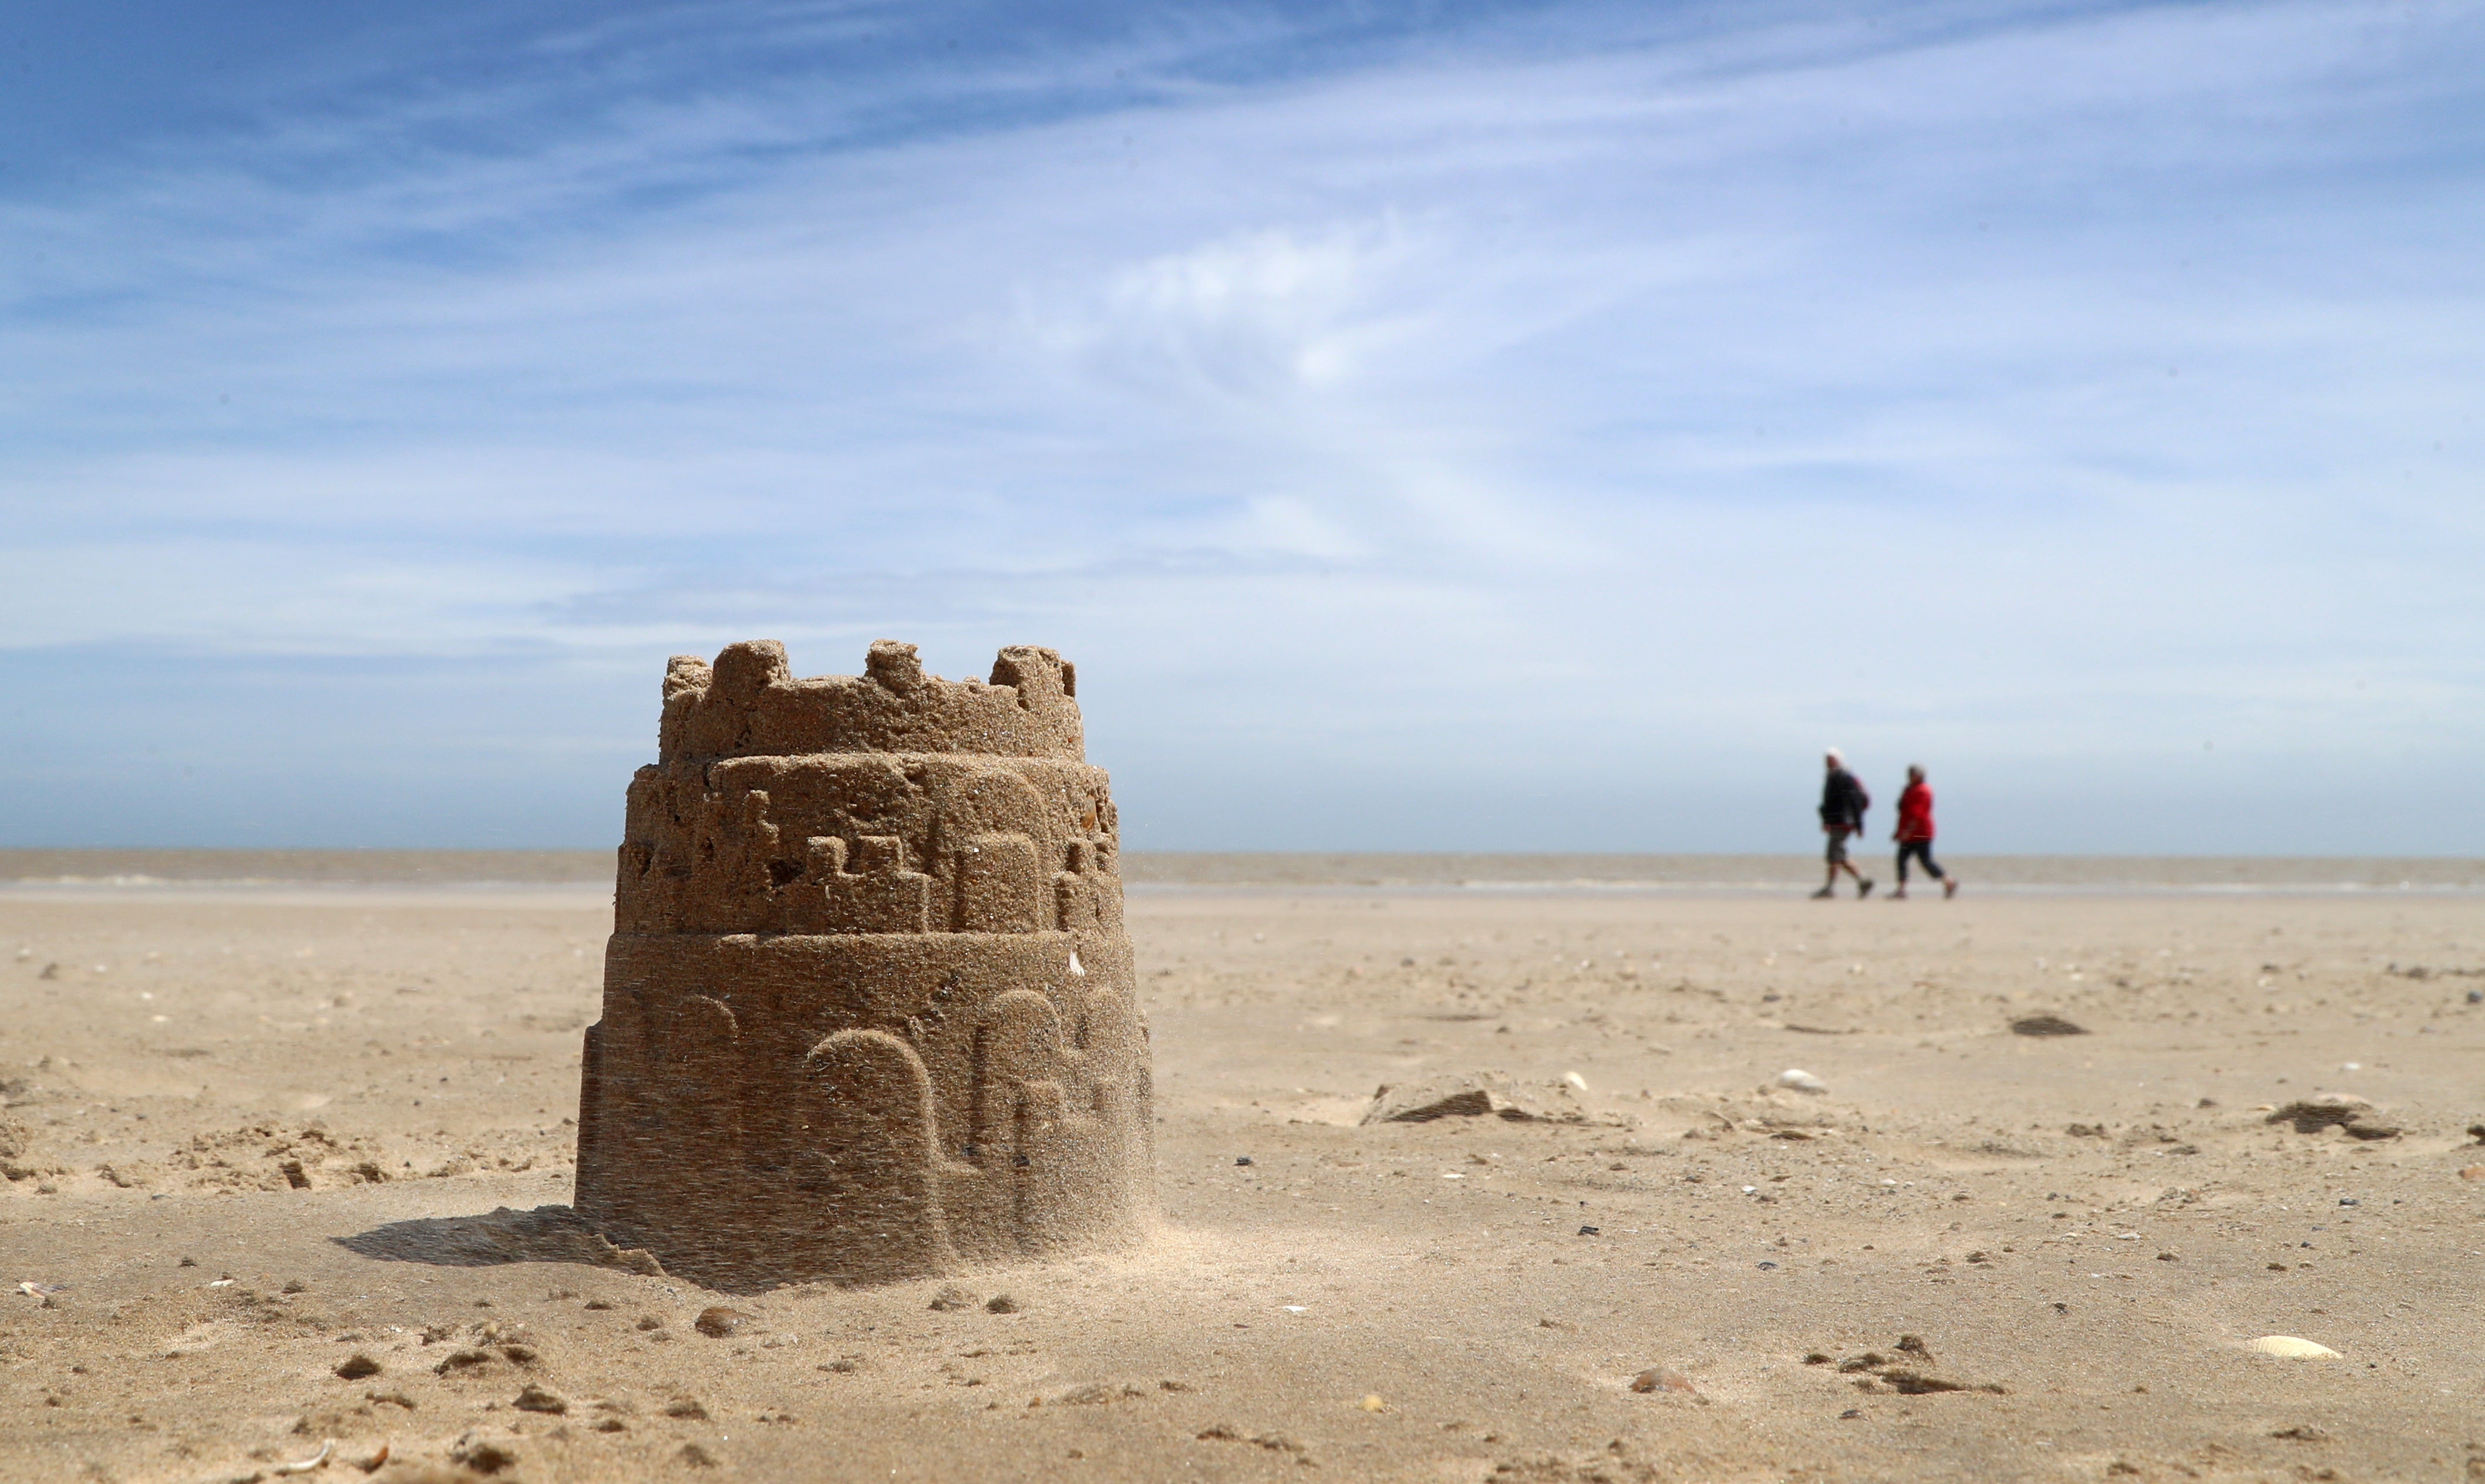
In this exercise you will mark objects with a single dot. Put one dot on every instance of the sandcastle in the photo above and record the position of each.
(870, 1010)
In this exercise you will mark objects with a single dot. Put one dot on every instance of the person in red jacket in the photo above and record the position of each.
(1915, 833)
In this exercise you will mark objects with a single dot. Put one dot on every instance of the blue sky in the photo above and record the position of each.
(1443, 427)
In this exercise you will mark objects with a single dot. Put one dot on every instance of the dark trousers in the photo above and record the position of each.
(1922, 850)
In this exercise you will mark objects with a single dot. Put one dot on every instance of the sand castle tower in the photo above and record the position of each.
(869, 1006)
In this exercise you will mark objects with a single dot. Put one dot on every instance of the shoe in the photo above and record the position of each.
(1949, 888)
(1863, 888)
(1900, 895)
(1824, 894)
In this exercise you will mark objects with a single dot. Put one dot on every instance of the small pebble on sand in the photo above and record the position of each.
(483, 1455)
(718, 1321)
(1798, 1080)
(355, 1366)
(1660, 1378)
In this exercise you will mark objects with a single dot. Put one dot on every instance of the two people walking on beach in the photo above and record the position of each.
(1843, 804)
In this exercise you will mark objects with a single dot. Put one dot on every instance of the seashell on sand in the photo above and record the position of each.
(2288, 1347)
(1801, 1081)
(1661, 1378)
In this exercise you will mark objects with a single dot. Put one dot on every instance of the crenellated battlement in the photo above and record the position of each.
(749, 704)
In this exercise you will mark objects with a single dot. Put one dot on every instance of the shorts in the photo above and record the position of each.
(1836, 852)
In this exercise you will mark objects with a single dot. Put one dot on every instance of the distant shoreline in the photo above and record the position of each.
(1174, 870)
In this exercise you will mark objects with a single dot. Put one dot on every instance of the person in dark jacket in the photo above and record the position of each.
(1843, 802)
(1915, 833)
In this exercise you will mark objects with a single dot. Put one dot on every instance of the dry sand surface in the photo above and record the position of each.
(256, 1139)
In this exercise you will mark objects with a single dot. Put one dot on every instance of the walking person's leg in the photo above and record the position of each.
(1932, 867)
(1835, 854)
(1901, 893)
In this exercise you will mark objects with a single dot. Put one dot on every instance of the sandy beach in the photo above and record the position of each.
(256, 1139)
(783, 743)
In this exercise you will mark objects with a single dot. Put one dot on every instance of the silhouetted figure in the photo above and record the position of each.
(1915, 833)
(1843, 802)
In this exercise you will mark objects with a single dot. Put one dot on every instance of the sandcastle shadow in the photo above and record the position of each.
(548, 1234)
